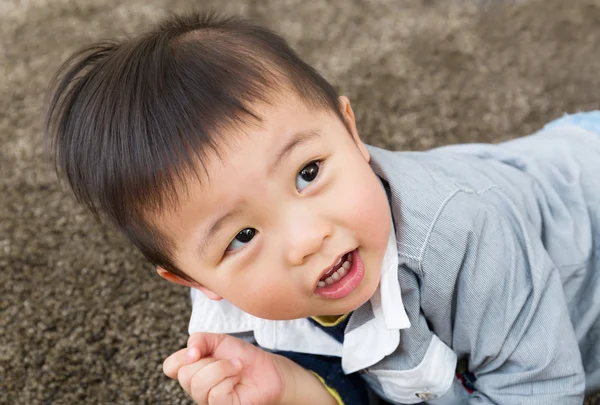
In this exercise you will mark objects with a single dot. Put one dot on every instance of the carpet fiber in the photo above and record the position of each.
(83, 319)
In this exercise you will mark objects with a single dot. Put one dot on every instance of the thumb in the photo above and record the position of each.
(207, 343)
(181, 358)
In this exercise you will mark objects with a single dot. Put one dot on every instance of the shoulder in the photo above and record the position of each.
(470, 221)
(435, 197)
(482, 256)
(482, 245)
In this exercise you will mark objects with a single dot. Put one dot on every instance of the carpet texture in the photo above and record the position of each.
(83, 319)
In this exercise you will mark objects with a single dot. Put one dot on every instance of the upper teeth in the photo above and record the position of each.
(330, 271)
(339, 273)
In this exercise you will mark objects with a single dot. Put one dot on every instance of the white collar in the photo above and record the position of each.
(380, 334)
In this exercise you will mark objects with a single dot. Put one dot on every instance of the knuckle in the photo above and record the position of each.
(223, 367)
(185, 376)
(215, 395)
(198, 379)
(199, 389)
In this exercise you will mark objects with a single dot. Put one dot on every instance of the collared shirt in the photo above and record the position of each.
(497, 265)
(380, 332)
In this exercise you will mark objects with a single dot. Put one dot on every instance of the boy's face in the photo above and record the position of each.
(282, 205)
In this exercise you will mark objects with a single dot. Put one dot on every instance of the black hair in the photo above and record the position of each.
(128, 121)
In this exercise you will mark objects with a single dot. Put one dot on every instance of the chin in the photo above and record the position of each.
(370, 286)
(281, 314)
(356, 301)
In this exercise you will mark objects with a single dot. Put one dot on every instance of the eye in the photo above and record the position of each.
(241, 239)
(307, 175)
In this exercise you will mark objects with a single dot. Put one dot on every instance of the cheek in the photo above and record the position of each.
(366, 208)
(264, 297)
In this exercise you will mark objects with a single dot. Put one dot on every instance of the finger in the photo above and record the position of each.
(207, 343)
(180, 358)
(222, 393)
(210, 376)
(188, 372)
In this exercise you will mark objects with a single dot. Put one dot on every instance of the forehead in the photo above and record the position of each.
(258, 146)
(243, 155)
(284, 118)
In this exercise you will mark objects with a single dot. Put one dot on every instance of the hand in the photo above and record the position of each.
(220, 369)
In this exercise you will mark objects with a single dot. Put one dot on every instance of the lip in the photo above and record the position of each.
(345, 286)
(329, 268)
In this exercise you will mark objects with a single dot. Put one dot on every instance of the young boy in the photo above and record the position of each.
(324, 270)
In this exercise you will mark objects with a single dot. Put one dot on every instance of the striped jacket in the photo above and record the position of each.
(493, 262)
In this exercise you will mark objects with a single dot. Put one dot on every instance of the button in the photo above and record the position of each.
(426, 395)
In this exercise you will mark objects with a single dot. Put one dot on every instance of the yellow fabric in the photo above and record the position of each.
(333, 392)
(330, 320)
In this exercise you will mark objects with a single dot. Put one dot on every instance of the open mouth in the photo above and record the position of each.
(338, 271)
(342, 278)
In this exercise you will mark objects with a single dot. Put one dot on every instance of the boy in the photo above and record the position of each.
(324, 270)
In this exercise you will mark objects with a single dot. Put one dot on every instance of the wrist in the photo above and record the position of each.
(301, 386)
(288, 373)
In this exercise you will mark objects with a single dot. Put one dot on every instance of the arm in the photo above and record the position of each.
(304, 387)
(219, 369)
(508, 310)
(346, 389)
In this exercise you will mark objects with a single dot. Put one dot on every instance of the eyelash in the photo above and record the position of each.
(318, 162)
(232, 252)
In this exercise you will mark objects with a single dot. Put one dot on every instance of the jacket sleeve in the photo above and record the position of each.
(505, 303)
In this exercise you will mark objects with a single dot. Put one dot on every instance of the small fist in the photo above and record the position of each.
(218, 369)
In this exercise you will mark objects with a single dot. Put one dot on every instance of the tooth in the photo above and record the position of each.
(350, 256)
(346, 265)
(328, 280)
(322, 284)
(342, 271)
(338, 262)
(335, 276)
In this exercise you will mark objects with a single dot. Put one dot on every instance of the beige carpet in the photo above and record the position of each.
(82, 318)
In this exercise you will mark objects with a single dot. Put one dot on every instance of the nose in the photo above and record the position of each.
(306, 236)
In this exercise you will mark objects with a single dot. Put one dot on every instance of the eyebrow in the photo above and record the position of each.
(214, 229)
(295, 140)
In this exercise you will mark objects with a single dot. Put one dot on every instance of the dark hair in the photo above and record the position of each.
(128, 121)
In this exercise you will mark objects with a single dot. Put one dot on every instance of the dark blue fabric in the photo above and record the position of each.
(351, 387)
(336, 332)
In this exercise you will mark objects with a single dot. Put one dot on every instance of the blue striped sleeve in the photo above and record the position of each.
(510, 314)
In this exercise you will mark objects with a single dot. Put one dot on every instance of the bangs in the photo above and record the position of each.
(129, 121)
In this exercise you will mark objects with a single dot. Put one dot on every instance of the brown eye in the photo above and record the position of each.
(243, 237)
(246, 235)
(307, 175)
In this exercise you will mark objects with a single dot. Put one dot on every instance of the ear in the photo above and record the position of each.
(351, 121)
(173, 278)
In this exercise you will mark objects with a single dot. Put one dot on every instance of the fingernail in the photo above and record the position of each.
(237, 362)
(193, 353)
